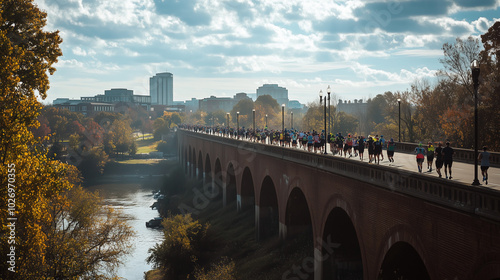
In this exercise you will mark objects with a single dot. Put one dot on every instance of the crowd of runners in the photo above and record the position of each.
(349, 145)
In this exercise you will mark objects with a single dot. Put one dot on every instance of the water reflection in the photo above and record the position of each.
(133, 196)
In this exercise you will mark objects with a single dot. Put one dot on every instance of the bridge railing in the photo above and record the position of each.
(481, 201)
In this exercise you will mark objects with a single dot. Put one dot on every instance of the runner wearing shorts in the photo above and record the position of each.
(420, 152)
(448, 159)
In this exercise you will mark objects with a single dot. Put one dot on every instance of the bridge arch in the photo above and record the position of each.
(490, 271)
(185, 160)
(402, 255)
(190, 161)
(246, 198)
(268, 213)
(199, 170)
(341, 251)
(229, 192)
(193, 165)
(298, 216)
(402, 261)
(218, 179)
(207, 176)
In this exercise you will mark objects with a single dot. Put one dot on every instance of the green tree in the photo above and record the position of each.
(181, 248)
(216, 118)
(163, 124)
(346, 123)
(74, 141)
(313, 119)
(162, 146)
(122, 136)
(92, 162)
(245, 107)
(266, 105)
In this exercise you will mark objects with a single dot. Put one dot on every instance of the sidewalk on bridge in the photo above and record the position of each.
(461, 172)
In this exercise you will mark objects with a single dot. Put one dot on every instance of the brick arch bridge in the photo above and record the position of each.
(366, 221)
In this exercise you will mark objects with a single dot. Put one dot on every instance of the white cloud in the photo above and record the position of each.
(482, 24)
(420, 53)
(302, 44)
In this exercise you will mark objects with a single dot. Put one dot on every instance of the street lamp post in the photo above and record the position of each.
(266, 121)
(237, 125)
(283, 118)
(475, 80)
(324, 113)
(399, 122)
(328, 90)
(228, 124)
(253, 114)
(291, 120)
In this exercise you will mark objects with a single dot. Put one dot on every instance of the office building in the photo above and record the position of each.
(275, 91)
(161, 89)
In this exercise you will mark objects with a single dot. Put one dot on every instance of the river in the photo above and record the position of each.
(133, 196)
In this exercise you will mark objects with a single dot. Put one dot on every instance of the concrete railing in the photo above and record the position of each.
(481, 201)
(462, 155)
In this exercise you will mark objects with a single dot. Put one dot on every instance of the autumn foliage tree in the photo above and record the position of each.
(181, 248)
(30, 180)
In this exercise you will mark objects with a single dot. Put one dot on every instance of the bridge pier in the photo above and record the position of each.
(224, 195)
(318, 264)
(283, 230)
(257, 223)
(238, 202)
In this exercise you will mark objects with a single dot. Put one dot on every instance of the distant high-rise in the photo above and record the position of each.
(275, 91)
(161, 89)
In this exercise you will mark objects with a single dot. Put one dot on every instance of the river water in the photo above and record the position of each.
(133, 196)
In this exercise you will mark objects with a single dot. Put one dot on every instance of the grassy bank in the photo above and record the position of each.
(146, 146)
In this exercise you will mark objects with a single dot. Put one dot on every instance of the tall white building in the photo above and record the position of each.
(161, 89)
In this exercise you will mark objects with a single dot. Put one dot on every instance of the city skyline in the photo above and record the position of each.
(359, 48)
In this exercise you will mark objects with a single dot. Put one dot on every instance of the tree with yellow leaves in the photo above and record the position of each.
(30, 182)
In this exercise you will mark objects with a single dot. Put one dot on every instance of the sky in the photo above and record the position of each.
(223, 47)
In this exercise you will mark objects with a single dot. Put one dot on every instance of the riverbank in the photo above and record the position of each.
(128, 187)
